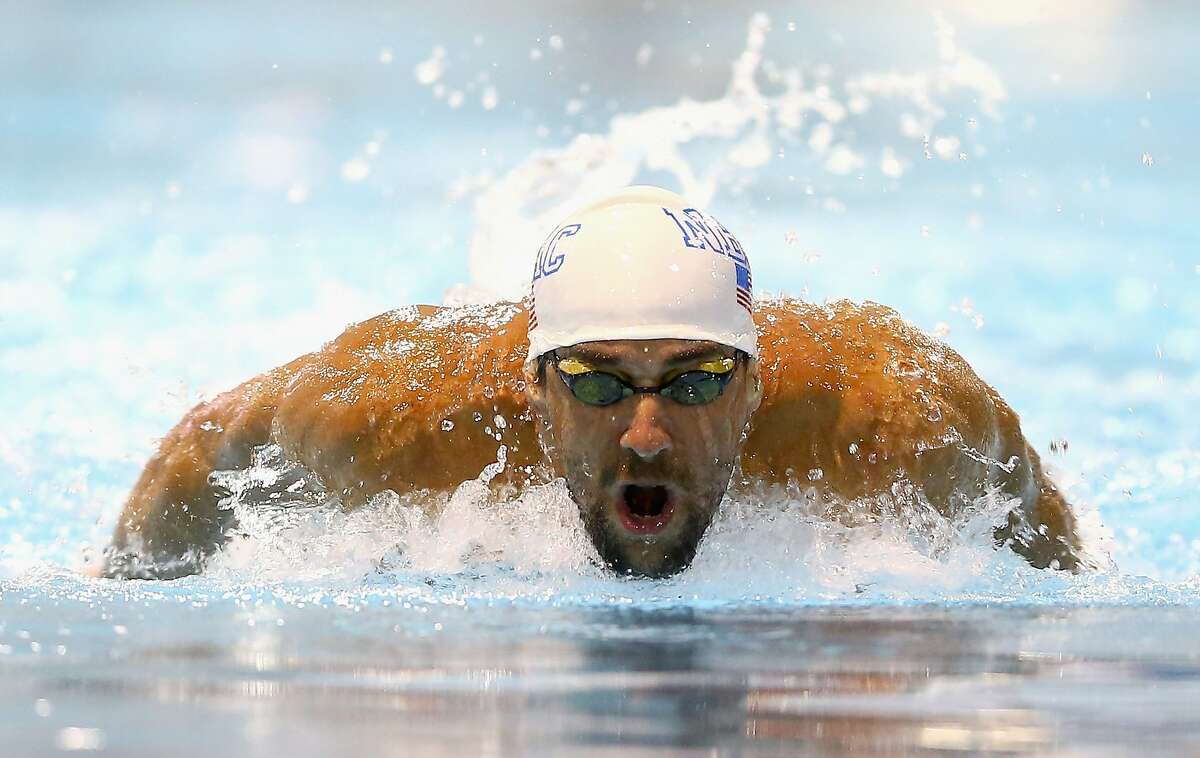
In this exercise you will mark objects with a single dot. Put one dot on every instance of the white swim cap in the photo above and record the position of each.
(640, 264)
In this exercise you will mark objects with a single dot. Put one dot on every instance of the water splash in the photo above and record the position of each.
(773, 546)
(704, 145)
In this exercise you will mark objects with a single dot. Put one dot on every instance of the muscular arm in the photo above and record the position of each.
(406, 401)
(171, 521)
(861, 402)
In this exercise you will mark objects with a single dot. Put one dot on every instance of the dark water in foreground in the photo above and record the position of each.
(253, 674)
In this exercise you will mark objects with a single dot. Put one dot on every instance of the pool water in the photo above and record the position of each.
(191, 669)
(190, 196)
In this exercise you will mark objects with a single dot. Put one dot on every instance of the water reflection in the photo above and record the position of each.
(620, 680)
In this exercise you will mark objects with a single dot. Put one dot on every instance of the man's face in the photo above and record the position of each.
(647, 472)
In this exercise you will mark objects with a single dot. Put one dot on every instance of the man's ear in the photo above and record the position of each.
(754, 384)
(535, 387)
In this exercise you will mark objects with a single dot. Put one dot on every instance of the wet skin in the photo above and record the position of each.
(857, 406)
(647, 472)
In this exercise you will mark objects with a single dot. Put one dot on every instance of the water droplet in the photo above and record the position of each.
(1147, 159)
(447, 425)
(489, 99)
(430, 70)
(71, 738)
(355, 170)
(924, 231)
(853, 449)
(644, 54)
(791, 26)
(815, 475)
(500, 422)
(789, 237)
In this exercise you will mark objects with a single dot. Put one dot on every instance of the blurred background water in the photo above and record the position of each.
(191, 194)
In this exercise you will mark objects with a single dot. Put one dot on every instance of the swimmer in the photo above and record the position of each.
(641, 373)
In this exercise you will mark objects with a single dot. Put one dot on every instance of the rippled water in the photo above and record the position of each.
(188, 198)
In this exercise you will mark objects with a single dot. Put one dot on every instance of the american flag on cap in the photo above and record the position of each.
(743, 284)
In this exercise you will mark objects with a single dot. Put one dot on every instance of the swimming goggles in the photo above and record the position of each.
(698, 386)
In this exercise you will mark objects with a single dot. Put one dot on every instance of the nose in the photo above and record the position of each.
(645, 434)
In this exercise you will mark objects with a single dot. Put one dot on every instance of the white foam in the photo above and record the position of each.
(775, 546)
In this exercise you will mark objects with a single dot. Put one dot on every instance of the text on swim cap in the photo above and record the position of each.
(549, 260)
(704, 232)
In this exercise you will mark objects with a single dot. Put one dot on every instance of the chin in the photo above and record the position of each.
(648, 561)
(644, 525)
(632, 552)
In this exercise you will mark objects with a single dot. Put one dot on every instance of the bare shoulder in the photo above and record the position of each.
(857, 399)
(408, 400)
(873, 361)
(870, 395)
(405, 400)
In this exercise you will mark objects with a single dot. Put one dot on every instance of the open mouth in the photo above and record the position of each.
(645, 509)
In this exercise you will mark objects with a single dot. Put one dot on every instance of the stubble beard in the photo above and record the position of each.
(650, 557)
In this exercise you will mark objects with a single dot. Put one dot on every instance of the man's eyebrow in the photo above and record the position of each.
(591, 355)
(694, 352)
(685, 355)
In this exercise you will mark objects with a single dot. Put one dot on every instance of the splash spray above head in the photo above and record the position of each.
(640, 264)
